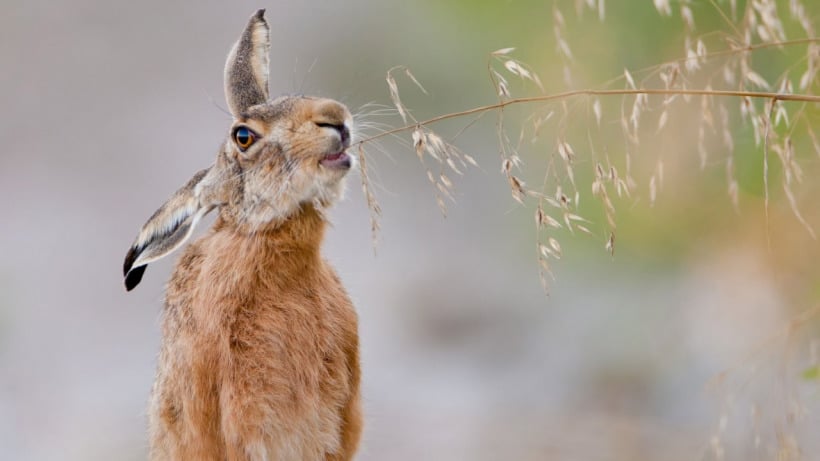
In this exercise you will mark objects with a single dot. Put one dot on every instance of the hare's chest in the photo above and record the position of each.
(288, 361)
(301, 343)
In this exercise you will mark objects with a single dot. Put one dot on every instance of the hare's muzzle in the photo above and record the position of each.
(337, 161)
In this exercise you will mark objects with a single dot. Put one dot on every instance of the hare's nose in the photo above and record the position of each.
(344, 131)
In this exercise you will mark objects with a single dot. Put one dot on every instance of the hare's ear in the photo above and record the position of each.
(246, 72)
(167, 228)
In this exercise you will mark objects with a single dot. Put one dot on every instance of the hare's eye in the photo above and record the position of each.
(244, 137)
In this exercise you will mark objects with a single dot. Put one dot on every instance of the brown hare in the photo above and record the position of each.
(259, 357)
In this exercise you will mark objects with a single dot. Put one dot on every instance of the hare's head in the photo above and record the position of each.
(279, 156)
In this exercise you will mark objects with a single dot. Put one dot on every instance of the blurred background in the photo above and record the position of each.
(698, 340)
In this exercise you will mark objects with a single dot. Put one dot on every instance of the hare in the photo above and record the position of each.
(259, 357)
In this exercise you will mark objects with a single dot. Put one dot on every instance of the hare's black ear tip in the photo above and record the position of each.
(260, 13)
(133, 277)
(130, 258)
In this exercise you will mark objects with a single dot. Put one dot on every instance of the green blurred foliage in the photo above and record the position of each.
(811, 373)
(632, 36)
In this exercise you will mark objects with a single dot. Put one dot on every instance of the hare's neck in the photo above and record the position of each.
(294, 242)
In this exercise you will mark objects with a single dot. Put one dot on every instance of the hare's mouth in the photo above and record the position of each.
(337, 161)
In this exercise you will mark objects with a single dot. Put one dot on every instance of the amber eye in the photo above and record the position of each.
(244, 137)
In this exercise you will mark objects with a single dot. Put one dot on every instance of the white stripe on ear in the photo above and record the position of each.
(167, 229)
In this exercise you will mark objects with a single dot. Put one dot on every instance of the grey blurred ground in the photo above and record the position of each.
(108, 107)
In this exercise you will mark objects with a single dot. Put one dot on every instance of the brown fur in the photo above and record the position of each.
(260, 351)
(259, 357)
